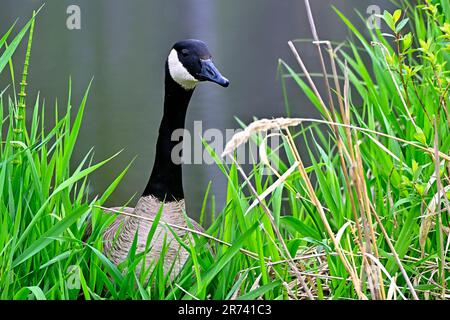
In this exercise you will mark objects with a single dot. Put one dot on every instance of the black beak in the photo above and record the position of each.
(209, 72)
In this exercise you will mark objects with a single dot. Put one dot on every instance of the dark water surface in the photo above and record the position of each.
(124, 44)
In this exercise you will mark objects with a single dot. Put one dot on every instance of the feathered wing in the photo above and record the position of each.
(119, 236)
(88, 231)
(111, 232)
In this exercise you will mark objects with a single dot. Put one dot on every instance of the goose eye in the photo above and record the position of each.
(185, 52)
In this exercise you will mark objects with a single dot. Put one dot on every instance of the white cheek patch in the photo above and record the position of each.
(179, 73)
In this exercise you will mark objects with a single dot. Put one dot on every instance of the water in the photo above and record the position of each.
(123, 45)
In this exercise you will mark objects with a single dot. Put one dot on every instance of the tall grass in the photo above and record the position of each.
(367, 218)
(380, 204)
(43, 204)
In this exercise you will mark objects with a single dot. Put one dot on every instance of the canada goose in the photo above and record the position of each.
(188, 63)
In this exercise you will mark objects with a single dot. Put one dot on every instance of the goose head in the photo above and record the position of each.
(190, 62)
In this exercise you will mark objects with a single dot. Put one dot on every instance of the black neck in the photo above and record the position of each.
(166, 179)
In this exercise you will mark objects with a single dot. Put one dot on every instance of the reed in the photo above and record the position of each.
(380, 166)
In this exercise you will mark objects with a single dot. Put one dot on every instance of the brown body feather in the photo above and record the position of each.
(119, 236)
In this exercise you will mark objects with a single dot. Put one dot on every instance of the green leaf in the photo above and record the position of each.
(6, 56)
(24, 293)
(407, 41)
(50, 235)
(296, 225)
(111, 268)
(401, 25)
(6, 35)
(397, 15)
(84, 285)
(420, 136)
(72, 138)
(114, 184)
(61, 187)
(389, 19)
(227, 256)
(255, 294)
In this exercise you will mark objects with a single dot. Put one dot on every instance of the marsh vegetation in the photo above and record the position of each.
(366, 216)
